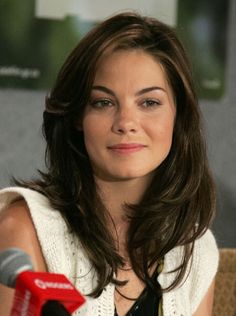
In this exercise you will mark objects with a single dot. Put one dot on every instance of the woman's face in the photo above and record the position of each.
(128, 123)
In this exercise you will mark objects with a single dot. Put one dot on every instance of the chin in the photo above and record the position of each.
(128, 175)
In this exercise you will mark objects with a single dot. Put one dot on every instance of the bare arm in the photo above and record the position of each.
(205, 307)
(17, 230)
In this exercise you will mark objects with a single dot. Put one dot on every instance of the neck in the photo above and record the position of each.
(114, 195)
(117, 193)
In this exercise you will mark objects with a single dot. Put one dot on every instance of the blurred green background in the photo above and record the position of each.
(32, 49)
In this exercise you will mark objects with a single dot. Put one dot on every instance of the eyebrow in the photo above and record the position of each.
(140, 92)
(104, 89)
(145, 90)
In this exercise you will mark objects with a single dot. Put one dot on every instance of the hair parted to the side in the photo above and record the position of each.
(178, 206)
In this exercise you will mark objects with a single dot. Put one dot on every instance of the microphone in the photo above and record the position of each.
(37, 293)
(53, 308)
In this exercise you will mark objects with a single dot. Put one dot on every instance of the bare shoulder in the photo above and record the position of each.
(17, 230)
(15, 222)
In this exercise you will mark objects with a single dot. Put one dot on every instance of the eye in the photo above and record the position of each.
(101, 103)
(150, 103)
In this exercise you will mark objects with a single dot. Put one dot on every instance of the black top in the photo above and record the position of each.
(146, 304)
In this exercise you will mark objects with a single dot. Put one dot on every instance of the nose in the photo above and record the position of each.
(125, 121)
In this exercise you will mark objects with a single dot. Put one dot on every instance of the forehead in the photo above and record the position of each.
(130, 68)
(117, 58)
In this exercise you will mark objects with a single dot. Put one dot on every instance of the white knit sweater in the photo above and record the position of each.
(64, 254)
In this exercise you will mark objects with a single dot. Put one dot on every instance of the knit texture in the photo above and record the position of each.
(64, 254)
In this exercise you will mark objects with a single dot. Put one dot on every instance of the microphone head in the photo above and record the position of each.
(13, 261)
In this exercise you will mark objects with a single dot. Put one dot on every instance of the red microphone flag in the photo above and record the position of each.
(34, 289)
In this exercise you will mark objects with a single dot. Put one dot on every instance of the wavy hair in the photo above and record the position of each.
(179, 204)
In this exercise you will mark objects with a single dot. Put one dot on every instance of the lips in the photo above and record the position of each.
(126, 148)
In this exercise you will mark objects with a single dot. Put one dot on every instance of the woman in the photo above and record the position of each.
(125, 205)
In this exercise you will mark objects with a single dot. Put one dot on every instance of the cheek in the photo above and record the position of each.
(94, 131)
(162, 140)
(162, 130)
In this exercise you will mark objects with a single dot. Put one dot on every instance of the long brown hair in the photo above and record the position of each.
(178, 205)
